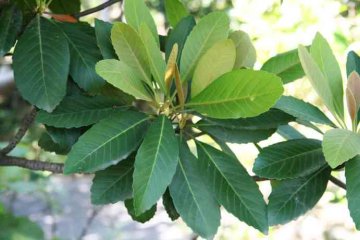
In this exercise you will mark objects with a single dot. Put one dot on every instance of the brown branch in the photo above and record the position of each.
(337, 182)
(7, 161)
(25, 124)
(96, 9)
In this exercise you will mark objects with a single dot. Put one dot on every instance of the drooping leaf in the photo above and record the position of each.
(130, 49)
(63, 6)
(286, 65)
(103, 37)
(326, 61)
(169, 206)
(146, 216)
(292, 198)
(192, 199)
(233, 186)
(317, 78)
(179, 36)
(302, 110)
(84, 55)
(240, 93)
(210, 29)
(41, 78)
(233, 134)
(155, 164)
(245, 50)
(78, 111)
(289, 132)
(121, 76)
(10, 26)
(136, 13)
(340, 145)
(107, 143)
(352, 169)
(19, 228)
(289, 159)
(175, 11)
(212, 65)
(113, 184)
(157, 63)
(46, 143)
(352, 63)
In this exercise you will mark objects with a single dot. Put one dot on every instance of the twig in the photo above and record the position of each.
(337, 182)
(7, 161)
(260, 179)
(26, 122)
(89, 221)
(96, 9)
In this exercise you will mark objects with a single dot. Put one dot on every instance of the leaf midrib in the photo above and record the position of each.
(42, 59)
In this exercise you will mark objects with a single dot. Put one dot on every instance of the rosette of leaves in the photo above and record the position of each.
(123, 105)
(300, 168)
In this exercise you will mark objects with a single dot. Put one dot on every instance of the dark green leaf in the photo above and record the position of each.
(233, 186)
(84, 55)
(155, 164)
(290, 159)
(224, 147)
(10, 26)
(192, 199)
(78, 111)
(289, 132)
(41, 64)
(107, 143)
(179, 35)
(65, 6)
(240, 93)
(286, 65)
(292, 198)
(113, 184)
(19, 228)
(352, 171)
(175, 11)
(352, 63)
(169, 206)
(302, 110)
(146, 216)
(49, 145)
(103, 37)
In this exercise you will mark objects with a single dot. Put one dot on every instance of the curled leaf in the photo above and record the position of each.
(170, 68)
(353, 94)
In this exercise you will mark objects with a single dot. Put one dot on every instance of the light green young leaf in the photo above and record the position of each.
(292, 198)
(131, 49)
(233, 186)
(210, 29)
(240, 93)
(41, 64)
(317, 78)
(216, 61)
(136, 13)
(286, 65)
(192, 198)
(326, 61)
(107, 143)
(245, 50)
(175, 11)
(113, 184)
(156, 60)
(155, 164)
(118, 74)
(352, 171)
(339, 146)
(289, 159)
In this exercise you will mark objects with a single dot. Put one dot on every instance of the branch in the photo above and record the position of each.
(337, 182)
(96, 9)
(25, 124)
(7, 161)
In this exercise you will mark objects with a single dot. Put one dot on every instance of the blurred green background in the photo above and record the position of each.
(59, 206)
